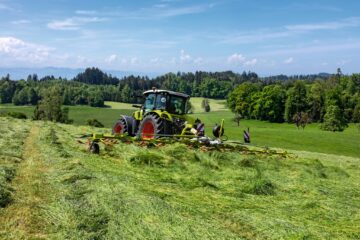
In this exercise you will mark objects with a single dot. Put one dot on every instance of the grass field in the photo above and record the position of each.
(262, 133)
(55, 189)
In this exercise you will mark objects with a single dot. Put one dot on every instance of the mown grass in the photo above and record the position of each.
(172, 192)
(12, 136)
(262, 133)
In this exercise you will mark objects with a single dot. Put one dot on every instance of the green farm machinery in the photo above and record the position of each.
(163, 117)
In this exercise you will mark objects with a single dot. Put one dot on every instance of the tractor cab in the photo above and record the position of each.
(163, 100)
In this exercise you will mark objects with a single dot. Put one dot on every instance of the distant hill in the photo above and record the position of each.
(22, 73)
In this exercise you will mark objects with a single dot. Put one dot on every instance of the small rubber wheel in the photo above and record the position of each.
(94, 148)
(216, 131)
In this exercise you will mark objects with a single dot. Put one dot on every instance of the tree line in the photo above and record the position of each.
(334, 101)
(93, 87)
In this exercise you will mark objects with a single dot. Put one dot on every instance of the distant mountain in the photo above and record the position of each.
(69, 73)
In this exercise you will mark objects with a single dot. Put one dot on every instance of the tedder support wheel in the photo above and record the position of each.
(151, 125)
(94, 148)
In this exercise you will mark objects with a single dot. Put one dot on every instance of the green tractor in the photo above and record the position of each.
(163, 114)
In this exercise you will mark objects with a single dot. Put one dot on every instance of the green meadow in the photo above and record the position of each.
(53, 188)
(263, 134)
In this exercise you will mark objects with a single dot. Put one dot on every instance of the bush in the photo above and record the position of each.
(205, 105)
(94, 122)
(18, 115)
(333, 119)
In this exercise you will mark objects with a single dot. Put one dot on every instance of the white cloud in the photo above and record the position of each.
(124, 61)
(19, 22)
(239, 59)
(184, 57)
(20, 51)
(173, 61)
(343, 62)
(134, 60)
(173, 12)
(287, 31)
(198, 60)
(112, 58)
(160, 5)
(156, 11)
(251, 62)
(289, 60)
(82, 60)
(256, 36)
(73, 23)
(347, 22)
(154, 60)
(236, 58)
(5, 7)
(86, 12)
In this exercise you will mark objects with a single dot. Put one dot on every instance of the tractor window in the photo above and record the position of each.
(149, 102)
(177, 105)
(161, 102)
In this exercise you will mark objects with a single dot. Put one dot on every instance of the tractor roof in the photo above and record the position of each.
(167, 91)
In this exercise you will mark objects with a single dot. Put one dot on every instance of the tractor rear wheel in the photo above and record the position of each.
(120, 127)
(150, 126)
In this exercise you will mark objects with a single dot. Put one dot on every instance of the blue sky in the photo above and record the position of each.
(268, 37)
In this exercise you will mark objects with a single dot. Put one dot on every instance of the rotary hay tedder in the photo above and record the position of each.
(164, 119)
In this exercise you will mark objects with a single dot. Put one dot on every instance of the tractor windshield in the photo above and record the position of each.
(149, 102)
(177, 105)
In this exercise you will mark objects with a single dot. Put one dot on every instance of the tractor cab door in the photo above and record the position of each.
(149, 104)
(161, 101)
(177, 105)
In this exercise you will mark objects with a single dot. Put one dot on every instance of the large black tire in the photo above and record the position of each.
(150, 126)
(120, 127)
(125, 124)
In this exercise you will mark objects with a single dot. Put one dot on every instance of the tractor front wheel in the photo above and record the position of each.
(151, 126)
(120, 127)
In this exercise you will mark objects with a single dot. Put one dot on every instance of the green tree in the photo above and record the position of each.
(21, 97)
(50, 108)
(270, 104)
(239, 101)
(126, 94)
(333, 119)
(33, 98)
(296, 100)
(96, 99)
(356, 113)
(316, 101)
